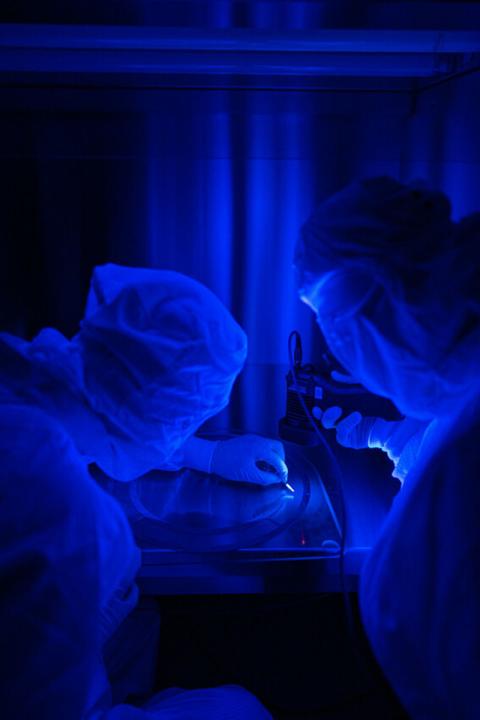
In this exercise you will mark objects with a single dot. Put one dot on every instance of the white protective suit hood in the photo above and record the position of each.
(156, 355)
(393, 281)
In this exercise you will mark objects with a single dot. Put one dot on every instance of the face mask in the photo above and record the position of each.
(413, 361)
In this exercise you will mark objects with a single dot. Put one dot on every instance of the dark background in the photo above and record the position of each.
(215, 184)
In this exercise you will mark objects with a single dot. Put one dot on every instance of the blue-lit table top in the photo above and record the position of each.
(201, 534)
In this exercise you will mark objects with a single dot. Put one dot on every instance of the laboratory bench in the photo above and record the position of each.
(200, 535)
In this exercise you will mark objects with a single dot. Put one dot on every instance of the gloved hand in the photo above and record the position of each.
(399, 439)
(250, 458)
(246, 458)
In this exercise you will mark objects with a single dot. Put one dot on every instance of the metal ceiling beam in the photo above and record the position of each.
(96, 50)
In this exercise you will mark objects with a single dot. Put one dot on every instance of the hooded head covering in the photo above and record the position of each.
(160, 354)
(393, 281)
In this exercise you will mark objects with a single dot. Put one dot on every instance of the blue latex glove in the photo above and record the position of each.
(399, 439)
(246, 458)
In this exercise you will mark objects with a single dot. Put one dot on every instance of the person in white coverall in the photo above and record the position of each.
(156, 355)
(395, 285)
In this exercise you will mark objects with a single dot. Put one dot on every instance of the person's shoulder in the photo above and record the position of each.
(31, 440)
(21, 422)
(43, 472)
(467, 425)
(457, 458)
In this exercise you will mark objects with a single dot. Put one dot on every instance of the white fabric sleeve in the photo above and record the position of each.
(198, 454)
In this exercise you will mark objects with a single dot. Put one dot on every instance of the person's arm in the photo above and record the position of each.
(48, 572)
(400, 439)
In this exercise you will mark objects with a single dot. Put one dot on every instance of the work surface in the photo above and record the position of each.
(200, 534)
